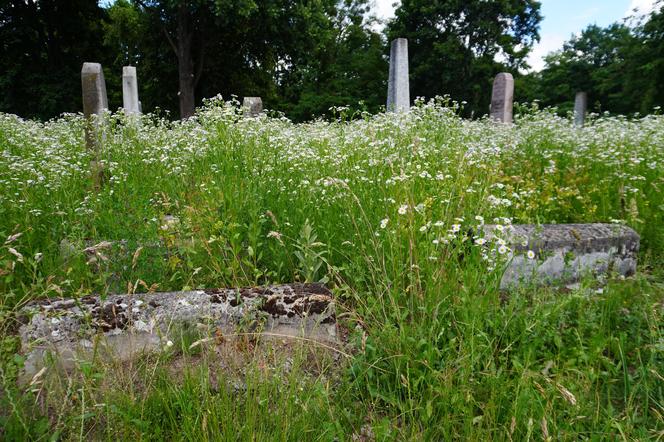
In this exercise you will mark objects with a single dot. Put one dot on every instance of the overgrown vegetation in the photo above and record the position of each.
(377, 206)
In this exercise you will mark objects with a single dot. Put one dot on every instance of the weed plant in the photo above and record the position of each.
(386, 210)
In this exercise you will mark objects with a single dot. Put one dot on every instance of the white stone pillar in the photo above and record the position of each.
(130, 101)
(398, 86)
(580, 108)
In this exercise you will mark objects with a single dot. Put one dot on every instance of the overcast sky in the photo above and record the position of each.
(562, 19)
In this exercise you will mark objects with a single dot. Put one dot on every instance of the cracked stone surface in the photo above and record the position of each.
(564, 253)
(122, 326)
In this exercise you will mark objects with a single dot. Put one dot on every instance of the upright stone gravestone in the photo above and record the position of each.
(253, 106)
(94, 89)
(398, 87)
(130, 101)
(502, 98)
(94, 103)
(580, 108)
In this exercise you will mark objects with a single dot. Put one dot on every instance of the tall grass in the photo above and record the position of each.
(378, 207)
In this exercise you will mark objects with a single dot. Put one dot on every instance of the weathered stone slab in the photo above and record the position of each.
(95, 102)
(130, 101)
(502, 98)
(123, 326)
(253, 106)
(398, 86)
(94, 89)
(563, 253)
(580, 108)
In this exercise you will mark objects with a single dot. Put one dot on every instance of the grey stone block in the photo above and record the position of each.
(502, 98)
(580, 108)
(565, 252)
(398, 86)
(130, 101)
(94, 89)
(253, 106)
(120, 327)
(95, 101)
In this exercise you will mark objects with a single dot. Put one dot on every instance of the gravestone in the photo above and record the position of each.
(94, 89)
(563, 253)
(120, 327)
(580, 108)
(398, 86)
(130, 101)
(502, 98)
(95, 102)
(252, 106)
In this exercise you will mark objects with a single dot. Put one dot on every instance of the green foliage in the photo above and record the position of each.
(618, 66)
(454, 45)
(43, 47)
(382, 206)
(309, 256)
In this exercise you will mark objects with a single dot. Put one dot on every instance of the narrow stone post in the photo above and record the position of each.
(94, 89)
(130, 101)
(398, 87)
(95, 102)
(580, 108)
(502, 98)
(252, 106)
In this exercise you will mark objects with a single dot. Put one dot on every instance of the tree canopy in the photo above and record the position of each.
(306, 57)
(457, 47)
(621, 67)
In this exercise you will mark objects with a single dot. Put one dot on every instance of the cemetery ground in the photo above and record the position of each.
(385, 210)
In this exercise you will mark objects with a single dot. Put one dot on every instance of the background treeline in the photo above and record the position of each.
(306, 56)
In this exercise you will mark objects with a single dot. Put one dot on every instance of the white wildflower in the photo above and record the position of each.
(14, 252)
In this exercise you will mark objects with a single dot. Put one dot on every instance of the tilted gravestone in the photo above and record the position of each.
(121, 327)
(130, 101)
(252, 106)
(580, 108)
(398, 86)
(563, 253)
(95, 102)
(502, 98)
(94, 89)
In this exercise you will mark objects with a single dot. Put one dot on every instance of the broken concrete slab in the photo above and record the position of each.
(124, 326)
(564, 253)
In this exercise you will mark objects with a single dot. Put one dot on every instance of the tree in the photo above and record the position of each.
(645, 79)
(591, 62)
(620, 67)
(183, 24)
(342, 65)
(43, 45)
(456, 47)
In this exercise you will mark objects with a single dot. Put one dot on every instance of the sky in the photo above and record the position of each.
(562, 19)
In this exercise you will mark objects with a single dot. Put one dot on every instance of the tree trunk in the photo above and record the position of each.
(185, 62)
